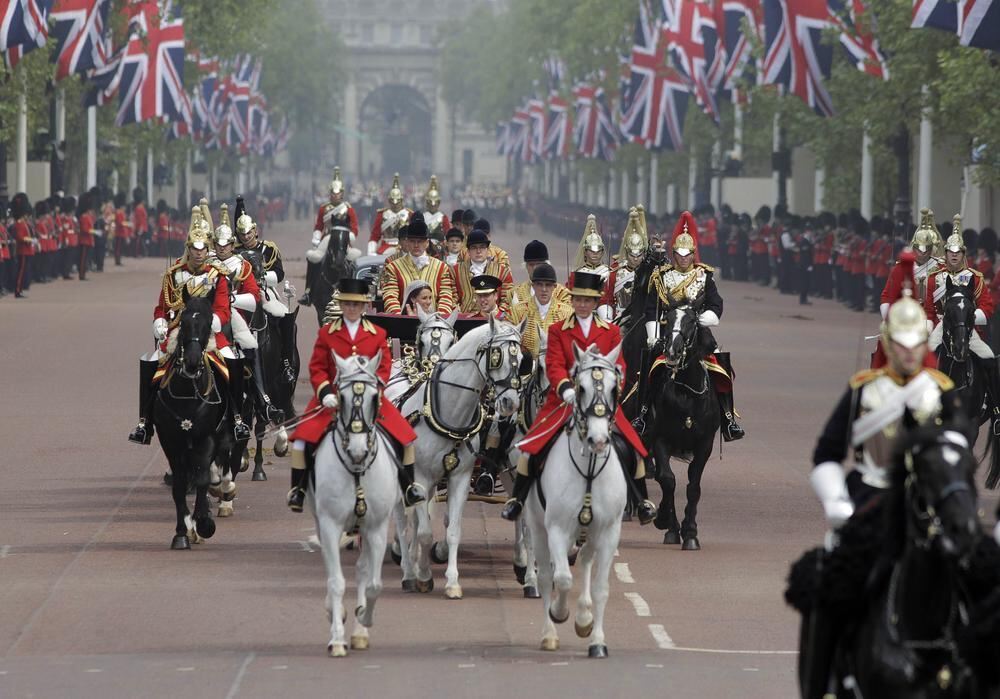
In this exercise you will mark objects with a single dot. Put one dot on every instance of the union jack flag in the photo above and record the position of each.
(654, 97)
(937, 14)
(536, 113)
(236, 93)
(981, 24)
(282, 135)
(104, 80)
(861, 45)
(738, 23)
(204, 109)
(78, 29)
(23, 27)
(560, 129)
(503, 137)
(595, 130)
(693, 40)
(796, 58)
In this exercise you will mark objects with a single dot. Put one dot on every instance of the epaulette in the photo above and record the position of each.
(218, 266)
(865, 376)
(707, 268)
(943, 381)
(975, 272)
(335, 325)
(601, 323)
(368, 326)
(569, 323)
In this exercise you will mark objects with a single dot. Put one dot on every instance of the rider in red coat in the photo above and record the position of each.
(348, 336)
(582, 329)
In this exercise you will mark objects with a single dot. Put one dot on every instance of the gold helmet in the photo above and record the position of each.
(905, 323)
(224, 232)
(955, 242)
(395, 193)
(927, 237)
(244, 225)
(685, 235)
(206, 213)
(199, 236)
(433, 196)
(591, 241)
(634, 240)
(337, 185)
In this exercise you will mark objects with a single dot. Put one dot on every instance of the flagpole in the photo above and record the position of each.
(867, 175)
(654, 183)
(22, 137)
(91, 147)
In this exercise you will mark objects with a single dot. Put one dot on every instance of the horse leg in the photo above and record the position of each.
(689, 527)
(550, 637)
(369, 585)
(403, 540)
(204, 525)
(258, 458)
(601, 570)
(178, 490)
(530, 585)
(425, 540)
(330, 531)
(666, 515)
(583, 624)
(458, 492)
(562, 577)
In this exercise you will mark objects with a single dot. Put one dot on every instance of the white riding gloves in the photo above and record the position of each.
(160, 329)
(271, 278)
(830, 485)
(245, 302)
(980, 317)
(317, 236)
(330, 401)
(216, 323)
(568, 395)
(651, 334)
(372, 247)
(708, 319)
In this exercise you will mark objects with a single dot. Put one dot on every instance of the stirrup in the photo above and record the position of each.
(271, 413)
(485, 484)
(646, 512)
(512, 510)
(142, 434)
(304, 300)
(732, 430)
(240, 429)
(296, 499)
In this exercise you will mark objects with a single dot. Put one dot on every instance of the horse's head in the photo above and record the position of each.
(336, 250)
(256, 261)
(681, 321)
(358, 387)
(435, 335)
(194, 334)
(936, 468)
(500, 360)
(541, 377)
(959, 320)
(596, 378)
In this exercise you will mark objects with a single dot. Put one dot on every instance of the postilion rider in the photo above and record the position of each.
(582, 329)
(349, 335)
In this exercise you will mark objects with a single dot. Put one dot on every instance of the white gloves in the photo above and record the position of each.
(317, 236)
(568, 395)
(604, 312)
(216, 323)
(245, 302)
(372, 247)
(159, 329)
(330, 401)
(830, 485)
(980, 317)
(708, 319)
(884, 310)
(651, 333)
(271, 278)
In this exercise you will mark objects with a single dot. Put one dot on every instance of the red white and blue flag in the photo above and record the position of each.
(739, 23)
(79, 30)
(860, 44)
(936, 14)
(981, 24)
(559, 131)
(594, 133)
(23, 27)
(693, 41)
(796, 57)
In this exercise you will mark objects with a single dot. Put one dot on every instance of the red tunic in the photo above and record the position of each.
(352, 218)
(376, 234)
(559, 361)
(335, 339)
(140, 222)
(22, 234)
(984, 300)
(220, 302)
(4, 243)
(87, 230)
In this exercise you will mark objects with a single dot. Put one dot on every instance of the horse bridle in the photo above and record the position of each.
(926, 515)
(351, 420)
(438, 328)
(343, 241)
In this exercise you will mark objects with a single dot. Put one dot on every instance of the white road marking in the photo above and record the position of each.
(641, 608)
(370, 667)
(559, 664)
(305, 546)
(234, 688)
(4, 550)
(94, 669)
(3, 672)
(279, 667)
(185, 669)
(654, 665)
(751, 669)
(623, 573)
(661, 636)
(465, 666)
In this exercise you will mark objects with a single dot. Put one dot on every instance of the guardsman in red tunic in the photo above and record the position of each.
(20, 211)
(121, 228)
(335, 213)
(347, 336)
(582, 329)
(86, 238)
(140, 222)
(385, 230)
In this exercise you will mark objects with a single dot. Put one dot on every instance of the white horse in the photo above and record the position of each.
(584, 494)
(356, 485)
(435, 336)
(481, 368)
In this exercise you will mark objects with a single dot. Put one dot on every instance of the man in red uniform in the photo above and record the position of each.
(86, 238)
(582, 330)
(385, 230)
(348, 336)
(20, 210)
(335, 213)
(140, 222)
(437, 221)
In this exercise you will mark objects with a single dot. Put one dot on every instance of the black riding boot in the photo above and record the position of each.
(820, 643)
(240, 429)
(992, 376)
(311, 268)
(302, 463)
(413, 493)
(261, 400)
(731, 430)
(143, 432)
(522, 486)
(645, 510)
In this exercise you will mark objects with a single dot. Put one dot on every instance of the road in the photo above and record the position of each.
(94, 604)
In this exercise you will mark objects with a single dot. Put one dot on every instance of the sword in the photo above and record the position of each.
(294, 422)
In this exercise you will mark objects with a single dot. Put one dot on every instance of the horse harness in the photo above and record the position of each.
(210, 395)
(351, 420)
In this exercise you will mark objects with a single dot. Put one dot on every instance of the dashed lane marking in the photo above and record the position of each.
(94, 670)
(465, 666)
(562, 663)
(185, 669)
(4, 550)
(661, 637)
(638, 603)
(655, 666)
(279, 667)
(751, 669)
(623, 573)
(371, 667)
(238, 680)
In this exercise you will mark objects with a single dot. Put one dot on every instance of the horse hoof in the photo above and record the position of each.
(691, 544)
(531, 592)
(259, 476)
(337, 650)
(671, 538)
(215, 489)
(424, 586)
(225, 510)
(550, 644)
(439, 552)
(180, 543)
(598, 650)
(168, 478)
(409, 586)
(359, 643)
(244, 463)
(205, 527)
(453, 591)
(584, 631)
(519, 573)
(558, 621)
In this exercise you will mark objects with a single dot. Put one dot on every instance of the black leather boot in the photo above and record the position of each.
(413, 493)
(512, 508)
(731, 430)
(821, 637)
(143, 432)
(991, 374)
(261, 400)
(305, 299)
(240, 430)
(297, 493)
(645, 510)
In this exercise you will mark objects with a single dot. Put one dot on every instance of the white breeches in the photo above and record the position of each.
(272, 305)
(241, 331)
(976, 344)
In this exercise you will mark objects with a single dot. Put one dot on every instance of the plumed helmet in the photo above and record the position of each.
(241, 207)
(927, 237)
(198, 235)
(244, 225)
(906, 322)
(224, 232)
(395, 193)
(336, 185)
(685, 239)
(955, 242)
(433, 196)
(634, 240)
(206, 213)
(592, 239)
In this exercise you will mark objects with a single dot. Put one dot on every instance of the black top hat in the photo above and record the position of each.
(416, 229)
(350, 289)
(477, 237)
(468, 217)
(454, 233)
(482, 224)
(536, 251)
(587, 284)
(485, 284)
(544, 272)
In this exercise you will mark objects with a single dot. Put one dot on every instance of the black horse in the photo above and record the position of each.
(633, 327)
(927, 590)
(334, 267)
(189, 413)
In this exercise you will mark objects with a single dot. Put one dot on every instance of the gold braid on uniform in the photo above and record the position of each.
(268, 264)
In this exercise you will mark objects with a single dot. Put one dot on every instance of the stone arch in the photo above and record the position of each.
(397, 118)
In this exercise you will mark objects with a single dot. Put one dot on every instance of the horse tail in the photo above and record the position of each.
(993, 451)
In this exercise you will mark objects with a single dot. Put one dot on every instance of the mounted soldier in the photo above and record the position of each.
(618, 292)
(590, 256)
(437, 221)
(414, 265)
(388, 221)
(337, 213)
(684, 280)
(195, 274)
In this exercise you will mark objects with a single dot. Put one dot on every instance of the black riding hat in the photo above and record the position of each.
(536, 251)
(416, 229)
(477, 237)
(454, 233)
(587, 284)
(544, 272)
